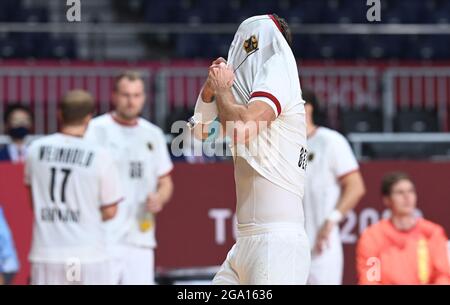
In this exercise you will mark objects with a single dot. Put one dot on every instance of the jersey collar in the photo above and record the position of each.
(123, 122)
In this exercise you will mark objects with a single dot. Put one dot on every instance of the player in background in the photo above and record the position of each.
(140, 152)
(75, 187)
(334, 186)
(260, 86)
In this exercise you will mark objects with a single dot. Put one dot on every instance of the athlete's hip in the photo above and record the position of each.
(252, 229)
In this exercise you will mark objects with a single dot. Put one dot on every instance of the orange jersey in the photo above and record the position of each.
(385, 255)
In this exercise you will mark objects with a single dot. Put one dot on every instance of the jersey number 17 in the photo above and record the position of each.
(53, 178)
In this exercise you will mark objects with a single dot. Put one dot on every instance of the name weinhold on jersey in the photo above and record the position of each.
(74, 156)
(60, 215)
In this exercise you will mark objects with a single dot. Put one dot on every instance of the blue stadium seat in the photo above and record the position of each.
(157, 11)
(63, 48)
(33, 15)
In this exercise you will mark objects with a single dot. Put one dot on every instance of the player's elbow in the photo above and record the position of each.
(354, 183)
(109, 212)
(170, 188)
(360, 187)
(166, 187)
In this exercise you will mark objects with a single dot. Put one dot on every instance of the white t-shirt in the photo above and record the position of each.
(278, 153)
(330, 158)
(71, 180)
(140, 152)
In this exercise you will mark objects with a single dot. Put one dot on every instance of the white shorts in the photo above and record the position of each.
(71, 274)
(327, 268)
(267, 255)
(133, 265)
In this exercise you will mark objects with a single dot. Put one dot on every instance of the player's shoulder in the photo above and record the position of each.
(44, 140)
(39, 142)
(150, 127)
(331, 136)
(101, 120)
(330, 133)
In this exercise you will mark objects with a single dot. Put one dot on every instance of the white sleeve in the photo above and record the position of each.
(164, 163)
(110, 185)
(343, 160)
(272, 84)
(28, 166)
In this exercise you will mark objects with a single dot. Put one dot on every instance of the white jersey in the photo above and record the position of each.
(267, 72)
(141, 154)
(71, 180)
(330, 159)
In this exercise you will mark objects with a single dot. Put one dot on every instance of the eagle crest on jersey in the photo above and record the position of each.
(251, 44)
(150, 146)
(303, 160)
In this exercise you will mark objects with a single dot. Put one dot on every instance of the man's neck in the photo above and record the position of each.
(123, 120)
(75, 131)
(404, 223)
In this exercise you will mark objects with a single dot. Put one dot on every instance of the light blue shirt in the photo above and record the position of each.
(8, 257)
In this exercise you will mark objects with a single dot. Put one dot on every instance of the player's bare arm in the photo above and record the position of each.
(207, 96)
(157, 201)
(208, 92)
(220, 79)
(352, 190)
(352, 186)
(109, 212)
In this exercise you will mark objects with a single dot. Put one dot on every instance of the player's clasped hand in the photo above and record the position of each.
(220, 76)
(154, 203)
(207, 91)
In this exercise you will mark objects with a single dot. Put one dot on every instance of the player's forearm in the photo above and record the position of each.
(109, 212)
(352, 190)
(165, 189)
(229, 110)
(207, 93)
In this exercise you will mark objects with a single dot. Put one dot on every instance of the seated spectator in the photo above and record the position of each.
(18, 124)
(9, 265)
(404, 249)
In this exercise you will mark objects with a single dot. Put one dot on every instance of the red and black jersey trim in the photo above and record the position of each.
(270, 97)
(276, 23)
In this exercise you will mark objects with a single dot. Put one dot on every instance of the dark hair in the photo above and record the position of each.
(75, 106)
(310, 98)
(14, 107)
(390, 179)
(285, 30)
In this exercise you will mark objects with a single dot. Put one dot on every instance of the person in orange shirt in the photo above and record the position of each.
(404, 249)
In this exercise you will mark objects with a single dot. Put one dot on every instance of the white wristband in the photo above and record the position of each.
(204, 113)
(335, 216)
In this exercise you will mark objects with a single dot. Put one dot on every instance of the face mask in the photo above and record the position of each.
(18, 133)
